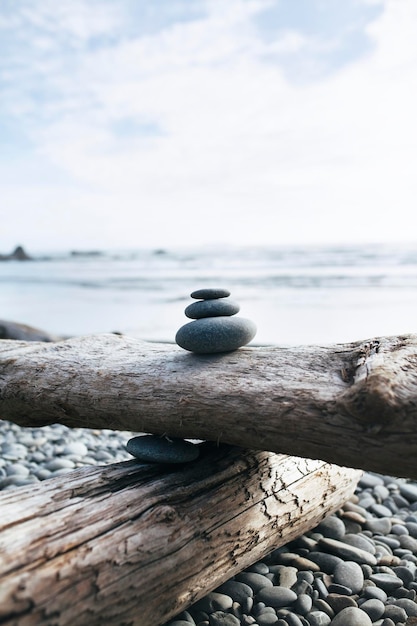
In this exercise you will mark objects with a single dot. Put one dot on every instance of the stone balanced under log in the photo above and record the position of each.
(214, 328)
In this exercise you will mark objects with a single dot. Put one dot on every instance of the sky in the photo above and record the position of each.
(190, 122)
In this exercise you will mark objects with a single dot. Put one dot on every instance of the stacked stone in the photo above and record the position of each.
(214, 328)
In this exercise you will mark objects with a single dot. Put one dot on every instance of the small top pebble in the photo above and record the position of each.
(210, 293)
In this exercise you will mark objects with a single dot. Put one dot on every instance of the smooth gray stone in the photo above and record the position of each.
(396, 613)
(341, 590)
(408, 543)
(369, 480)
(338, 601)
(276, 596)
(387, 582)
(409, 491)
(326, 562)
(351, 616)
(344, 551)
(267, 619)
(218, 618)
(381, 525)
(374, 608)
(210, 293)
(154, 449)
(318, 618)
(212, 308)
(375, 592)
(380, 510)
(332, 527)
(303, 604)
(412, 529)
(254, 580)
(409, 606)
(238, 591)
(349, 574)
(361, 542)
(212, 335)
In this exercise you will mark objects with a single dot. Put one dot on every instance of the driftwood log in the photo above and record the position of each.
(134, 544)
(351, 404)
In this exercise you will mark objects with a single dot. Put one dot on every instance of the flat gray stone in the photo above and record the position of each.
(254, 580)
(359, 541)
(374, 608)
(326, 562)
(210, 293)
(238, 591)
(409, 606)
(212, 308)
(276, 596)
(154, 449)
(318, 618)
(332, 527)
(387, 582)
(344, 551)
(211, 335)
(409, 491)
(351, 616)
(218, 618)
(380, 525)
(350, 574)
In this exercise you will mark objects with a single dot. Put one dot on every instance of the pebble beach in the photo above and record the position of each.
(357, 568)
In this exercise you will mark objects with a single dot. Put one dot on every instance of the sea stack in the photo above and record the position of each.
(214, 329)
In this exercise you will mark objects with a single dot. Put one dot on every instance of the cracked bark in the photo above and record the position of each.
(134, 544)
(352, 404)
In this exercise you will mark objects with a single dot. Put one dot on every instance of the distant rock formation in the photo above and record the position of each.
(22, 332)
(18, 254)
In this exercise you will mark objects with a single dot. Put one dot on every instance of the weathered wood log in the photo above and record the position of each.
(136, 544)
(351, 404)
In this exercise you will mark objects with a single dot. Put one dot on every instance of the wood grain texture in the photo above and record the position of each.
(351, 404)
(134, 544)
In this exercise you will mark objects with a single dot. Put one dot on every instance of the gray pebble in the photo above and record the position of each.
(322, 605)
(360, 541)
(17, 469)
(380, 510)
(59, 464)
(396, 613)
(340, 589)
(411, 528)
(409, 491)
(75, 447)
(212, 308)
(318, 618)
(211, 335)
(259, 568)
(219, 618)
(351, 616)
(209, 293)
(408, 543)
(293, 620)
(276, 596)
(409, 606)
(380, 526)
(303, 604)
(238, 591)
(286, 576)
(387, 582)
(265, 619)
(153, 449)
(369, 480)
(339, 602)
(350, 574)
(214, 601)
(374, 608)
(375, 592)
(326, 562)
(347, 552)
(254, 580)
(332, 527)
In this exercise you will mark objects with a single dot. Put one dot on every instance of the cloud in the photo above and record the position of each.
(196, 128)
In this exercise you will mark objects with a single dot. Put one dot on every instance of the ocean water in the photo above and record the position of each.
(295, 295)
